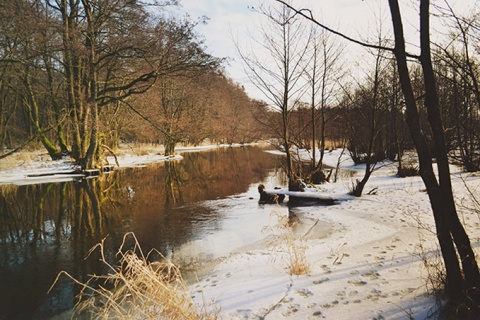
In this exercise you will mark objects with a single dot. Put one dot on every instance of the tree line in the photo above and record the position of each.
(317, 101)
(82, 75)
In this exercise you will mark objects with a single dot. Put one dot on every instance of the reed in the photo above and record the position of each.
(138, 289)
(282, 238)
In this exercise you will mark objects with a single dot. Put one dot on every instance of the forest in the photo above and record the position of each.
(321, 101)
(80, 77)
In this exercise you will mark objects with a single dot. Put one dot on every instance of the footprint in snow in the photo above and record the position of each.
(373, 275)
(357, 283)
(320, 281)
(304, 293)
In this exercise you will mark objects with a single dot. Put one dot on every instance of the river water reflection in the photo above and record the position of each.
(47, 228)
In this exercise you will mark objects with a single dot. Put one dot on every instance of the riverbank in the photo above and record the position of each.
(31, 167)
(370, 266)
(365, 255)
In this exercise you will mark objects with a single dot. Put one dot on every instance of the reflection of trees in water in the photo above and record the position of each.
(18, 224)
(45, 229)
(36, 212)
(89, 217)
(50, 227)
(226, 171)
(41, 212)
(200, 176)
(33, 213)
(173, 183)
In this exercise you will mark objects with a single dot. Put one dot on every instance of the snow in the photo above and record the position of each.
(41, 169)
(366, 265)
(365, 254)
(44, 170)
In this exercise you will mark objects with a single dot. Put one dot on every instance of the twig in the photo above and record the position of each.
(113, 153)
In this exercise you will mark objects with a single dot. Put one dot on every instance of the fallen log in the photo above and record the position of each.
(296, 197)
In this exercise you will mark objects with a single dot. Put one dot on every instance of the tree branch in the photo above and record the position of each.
(307, 14)
(146, 119)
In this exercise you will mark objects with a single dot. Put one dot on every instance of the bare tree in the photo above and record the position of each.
(462, 273)
(323, 75)
(365, 121)
(458, 71)
(462, 280)
(74, 61)
(284, 42)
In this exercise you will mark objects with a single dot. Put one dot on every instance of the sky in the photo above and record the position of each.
(234, 21)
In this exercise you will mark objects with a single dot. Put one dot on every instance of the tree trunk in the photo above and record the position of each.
(72, 64)
(32, 105)
(454, 277)
(460, 237)
(169, 147)
(439, 192)
(286, 144)
(91, 154)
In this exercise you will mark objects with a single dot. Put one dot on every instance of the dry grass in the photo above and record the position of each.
(17, 159)
(430, 257)
(283, 239)
(139, 290)
(139, 149)
(333, 144)
(435, 280)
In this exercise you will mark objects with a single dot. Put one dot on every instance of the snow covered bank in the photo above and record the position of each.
(39, 168)
(368, 267)
(365, 260)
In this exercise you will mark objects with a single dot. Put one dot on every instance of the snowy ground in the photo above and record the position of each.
(39, 168)
(367, 266)
(365, 261)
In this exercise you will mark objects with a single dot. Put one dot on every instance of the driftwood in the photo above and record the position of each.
(305, 196)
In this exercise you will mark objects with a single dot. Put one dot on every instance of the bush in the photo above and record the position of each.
(407, 171)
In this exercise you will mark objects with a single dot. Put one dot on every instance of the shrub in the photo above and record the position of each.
(407, 171)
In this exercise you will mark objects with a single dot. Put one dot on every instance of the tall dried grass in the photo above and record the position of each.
(140, 149)
(138, 290)
(17, 159)
(282, 238)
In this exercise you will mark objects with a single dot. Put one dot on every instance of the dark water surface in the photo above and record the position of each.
(47, 228)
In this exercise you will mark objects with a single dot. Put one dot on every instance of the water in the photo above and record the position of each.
(194, 211)
(170, 206)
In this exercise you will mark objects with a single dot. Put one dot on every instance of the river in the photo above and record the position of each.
(175, 207)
